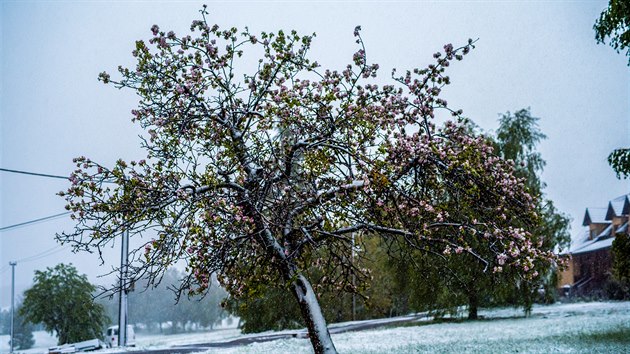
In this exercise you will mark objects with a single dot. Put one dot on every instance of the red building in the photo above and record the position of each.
(589, 257)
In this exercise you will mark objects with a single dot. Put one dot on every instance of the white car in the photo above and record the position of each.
(111, 336)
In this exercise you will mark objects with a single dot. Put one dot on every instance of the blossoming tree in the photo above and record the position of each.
(257, 175)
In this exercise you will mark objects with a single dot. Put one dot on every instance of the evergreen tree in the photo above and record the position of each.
(621, 258)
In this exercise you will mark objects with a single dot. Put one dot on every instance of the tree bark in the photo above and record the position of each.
(311, 312)
(302, 290)
(473, 305)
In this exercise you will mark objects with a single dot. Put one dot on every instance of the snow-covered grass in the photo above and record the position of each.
(151, 341)
(595, 327)
(43, 340)
(599, 327)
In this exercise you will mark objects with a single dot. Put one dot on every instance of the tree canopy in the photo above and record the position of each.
(621, 258)
(261, 164)
(517, 139)
(61, 299)
(619, 160)
(614, 23)
(465, 281)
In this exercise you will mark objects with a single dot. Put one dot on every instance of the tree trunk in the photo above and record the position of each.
(303, 291)
(473, 305)
(312, 314)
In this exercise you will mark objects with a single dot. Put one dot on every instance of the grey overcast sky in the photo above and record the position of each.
(538, 54)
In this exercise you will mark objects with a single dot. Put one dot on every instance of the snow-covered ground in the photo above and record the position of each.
(43, 340)
(558, 328)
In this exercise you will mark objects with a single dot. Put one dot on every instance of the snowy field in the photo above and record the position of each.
(596, 327)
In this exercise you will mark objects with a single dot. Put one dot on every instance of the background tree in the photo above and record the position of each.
(621, 262)
(187, 314)
(614, 23)
(619, 160)
(23, 332)
(419, 283)
(516, 139)
(461, 279)
(61, 299)
(208, 311)
(267, 308)
(271, 308)
(262, 175)
(5, 321)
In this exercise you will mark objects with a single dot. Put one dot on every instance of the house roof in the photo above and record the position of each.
(595, 245)
(579, 241)
(618, 206)
(582, 243)
(595, 216)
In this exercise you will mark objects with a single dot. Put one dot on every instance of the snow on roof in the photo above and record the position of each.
(595, 216)
(582, 243)
(579, 241)
(605, 234)
(618, 206)
(623, 228)
(595, 245)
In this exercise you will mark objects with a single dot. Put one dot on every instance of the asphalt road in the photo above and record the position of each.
(335, 328)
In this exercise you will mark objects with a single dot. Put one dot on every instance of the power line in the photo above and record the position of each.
(33, 173)
(22, 224)
(44, 254)
(37, 256)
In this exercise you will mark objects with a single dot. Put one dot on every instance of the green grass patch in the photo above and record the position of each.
(618, 335)
(440, 320)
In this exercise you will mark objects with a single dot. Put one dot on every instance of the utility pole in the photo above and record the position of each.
(354, 299)
(12, 264)
(122, 306)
